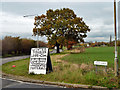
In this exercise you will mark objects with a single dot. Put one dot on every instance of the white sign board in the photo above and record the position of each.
(38, 60)
(55, 47)
(88, 45)
(100, 63)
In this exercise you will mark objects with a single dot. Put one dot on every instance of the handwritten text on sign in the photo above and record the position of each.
(38, 60)
(100, 63)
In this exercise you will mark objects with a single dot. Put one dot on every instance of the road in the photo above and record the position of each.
(10, 83)
(10, 59)
(54, 51)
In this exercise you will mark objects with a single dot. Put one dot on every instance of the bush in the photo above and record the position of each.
(16, 46)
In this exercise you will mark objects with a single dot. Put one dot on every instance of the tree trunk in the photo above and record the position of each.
(57, 47)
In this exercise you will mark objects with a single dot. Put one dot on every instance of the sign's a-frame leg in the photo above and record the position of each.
(49, 64)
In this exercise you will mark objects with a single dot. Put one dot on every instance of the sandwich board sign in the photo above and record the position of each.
(40, 61)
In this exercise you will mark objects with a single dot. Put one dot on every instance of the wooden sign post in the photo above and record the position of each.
(40, 62)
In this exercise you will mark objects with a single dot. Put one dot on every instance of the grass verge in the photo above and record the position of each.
(71, 69)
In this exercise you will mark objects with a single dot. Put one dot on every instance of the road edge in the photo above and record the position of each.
(67, 85)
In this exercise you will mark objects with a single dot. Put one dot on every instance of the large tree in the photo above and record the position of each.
(61, 26)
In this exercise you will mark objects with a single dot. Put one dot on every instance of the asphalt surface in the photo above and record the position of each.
(10, 83)
(10, 59)
(54, 51)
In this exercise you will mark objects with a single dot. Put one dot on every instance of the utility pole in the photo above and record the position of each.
(110, 40)
(116, 59)
(37, 29)
(37, 39)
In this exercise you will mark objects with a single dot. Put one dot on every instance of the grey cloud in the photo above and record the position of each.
(90, 11)
(108, 21)
(100, 34)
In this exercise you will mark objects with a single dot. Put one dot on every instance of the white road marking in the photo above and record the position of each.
(30, 83)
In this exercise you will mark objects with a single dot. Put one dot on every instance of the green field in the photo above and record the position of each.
(72, 68)
(92, 54)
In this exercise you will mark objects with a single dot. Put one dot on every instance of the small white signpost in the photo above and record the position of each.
(38, 60)
(55, 47)
(103, 63)
(88, 45)
(100, 63)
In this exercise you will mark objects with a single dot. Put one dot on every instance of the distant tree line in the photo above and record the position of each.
(112, 43)
(18, 46)
(95, 44)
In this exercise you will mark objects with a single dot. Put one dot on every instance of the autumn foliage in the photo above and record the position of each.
(18, 46)
(61, 25)
(70, 44)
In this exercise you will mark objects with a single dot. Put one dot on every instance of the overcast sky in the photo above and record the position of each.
(97, 15)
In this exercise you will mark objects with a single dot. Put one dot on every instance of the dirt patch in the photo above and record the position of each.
(57, 59)
(62, 63)
(86, 66)
(78, 50)
(75, 66)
